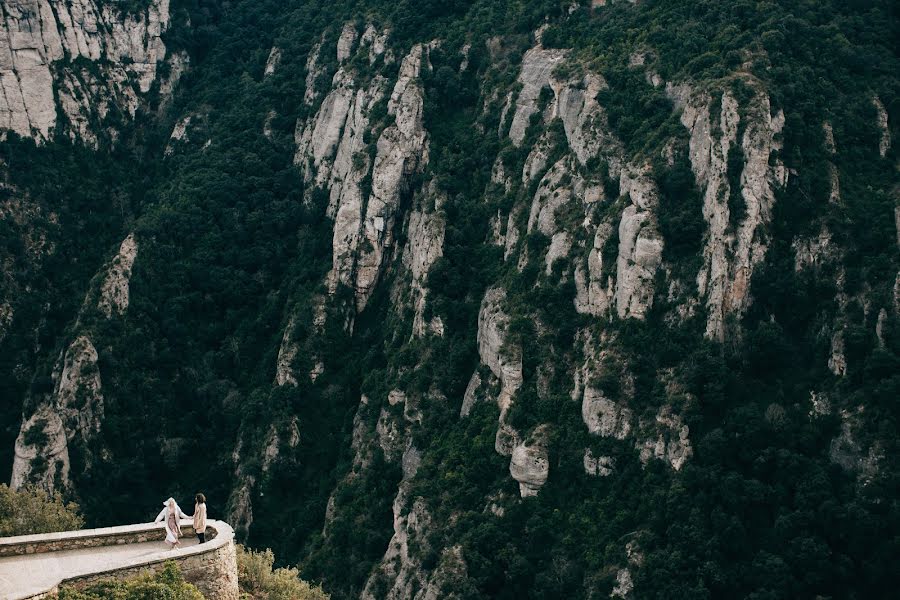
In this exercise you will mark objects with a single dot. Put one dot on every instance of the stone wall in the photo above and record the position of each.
(212, 566)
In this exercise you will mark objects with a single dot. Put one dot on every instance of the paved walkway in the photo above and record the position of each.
(21, 576)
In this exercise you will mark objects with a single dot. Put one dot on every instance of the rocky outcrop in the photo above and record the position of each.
(400, 567)
(78, 397)
(251, 460)
(530, 463)
(41, 452)
(451, 573)
(178, 63)
(401, 150)
(38, 35)
(376, 42)
(604, 417)
(812, 252)
(471, 395)
(28, 242)
(624, 584)
(346, 42)
(849, 453)
(881, 120)
(601, 466)
(640, 245)
(179, 134)
(556, 189)
(537, 67)
(313, 72)
(666, 439)
(837, 360)
(594, 289)
(584, 120)
(287, 352)
(75, 409)
(425, 244)
(272, 61)
(503, 358)
(733, 249)
(114, 291)
(275, 438)
(629, 285)
(834, 196)
(333, 153)
(328, 141)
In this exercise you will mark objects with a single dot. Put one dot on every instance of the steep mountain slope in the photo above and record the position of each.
(467, 299)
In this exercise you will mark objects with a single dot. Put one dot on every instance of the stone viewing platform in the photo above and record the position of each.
(35, 566)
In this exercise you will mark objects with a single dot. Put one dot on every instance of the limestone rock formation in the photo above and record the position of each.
(733, 250)
(287, 352)
(530, 463)
(470, 397)
(848, 452)
(537, 67)
(667, 440)
(597, 465)
(35, 35)
(333, 153)
(401, 150)
(75, 408)
(594, 292)
(313, 72)
(425, 244)
(346, 41)
(376, 42)
(624, 584)
(557, 188)
(41, 452)
(881, 115)
(451, 572)
(272, 61)
(401, 565)
(114, 292)
(629, 286)
(504, 359)
(604, 417)
(583, 119)
(837, 360)
(812, 252)
(640, 246)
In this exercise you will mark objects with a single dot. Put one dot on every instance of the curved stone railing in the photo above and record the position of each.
(211, 566)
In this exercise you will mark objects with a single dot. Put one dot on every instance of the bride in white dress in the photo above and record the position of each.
(171, 514)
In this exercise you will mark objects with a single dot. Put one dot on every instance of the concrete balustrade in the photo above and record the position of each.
(35, 566)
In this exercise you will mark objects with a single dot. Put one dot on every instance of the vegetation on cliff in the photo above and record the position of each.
(167, 584)
(260, 580)
(28, 510)
(780, 497)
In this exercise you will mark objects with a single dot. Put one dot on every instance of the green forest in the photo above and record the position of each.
(236, 246)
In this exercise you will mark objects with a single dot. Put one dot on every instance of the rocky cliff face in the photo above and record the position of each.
(74, 410)
(115, 287)
(44, 81)
(735, 244)
(332, 150)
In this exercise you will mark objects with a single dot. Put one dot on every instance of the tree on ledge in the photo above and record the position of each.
(31, 510)
(258, 579)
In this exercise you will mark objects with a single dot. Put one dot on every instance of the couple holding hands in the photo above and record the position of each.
(171, 514)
